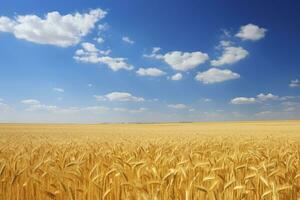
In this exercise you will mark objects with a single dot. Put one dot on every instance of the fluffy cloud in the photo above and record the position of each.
(127, 40)
(214, 75)
(295, 83)
(176, 77)
(154, 53)
(267, 97)
(243, 100)
(230, 55)
(251, 32)
(58, 90)
(119, 96)
(103, 27)
(177, 106)
(181, 61)
(100, 40)
(115, 63)
(150, 72)
(54, 28)
(260, 98)
(224, 43)
(90, 54)
(89, 47)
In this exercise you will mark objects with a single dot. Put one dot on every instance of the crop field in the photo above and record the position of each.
(229, 160)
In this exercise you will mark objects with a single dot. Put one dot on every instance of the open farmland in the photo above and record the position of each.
(230, 160)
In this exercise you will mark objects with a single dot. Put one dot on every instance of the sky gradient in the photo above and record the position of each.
(149, 61)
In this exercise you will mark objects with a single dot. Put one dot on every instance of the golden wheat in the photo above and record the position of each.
(249, 160)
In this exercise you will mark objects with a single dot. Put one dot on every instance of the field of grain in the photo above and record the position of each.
(230, 160)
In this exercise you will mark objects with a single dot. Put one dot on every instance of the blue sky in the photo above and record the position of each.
(148, 61)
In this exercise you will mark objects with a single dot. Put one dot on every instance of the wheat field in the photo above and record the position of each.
(230, 160)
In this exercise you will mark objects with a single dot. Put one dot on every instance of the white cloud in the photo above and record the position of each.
(30, 102)
(266, 97)
(181, 61)
(251, 32)
(295, 83)
(58, 90)
(54, 28)
(224, 43)
(150, 72)
(122, 96)
(119, 96)
(100, 40)
(260, 98)
(115, 63)
(154, 53)
(127, 40)
(230, 55)
(103, 27)
(89, 47)
(243, 100)
(214, 75)
(90, 54)
(177, 106)
(155, 50)
(176, 77)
